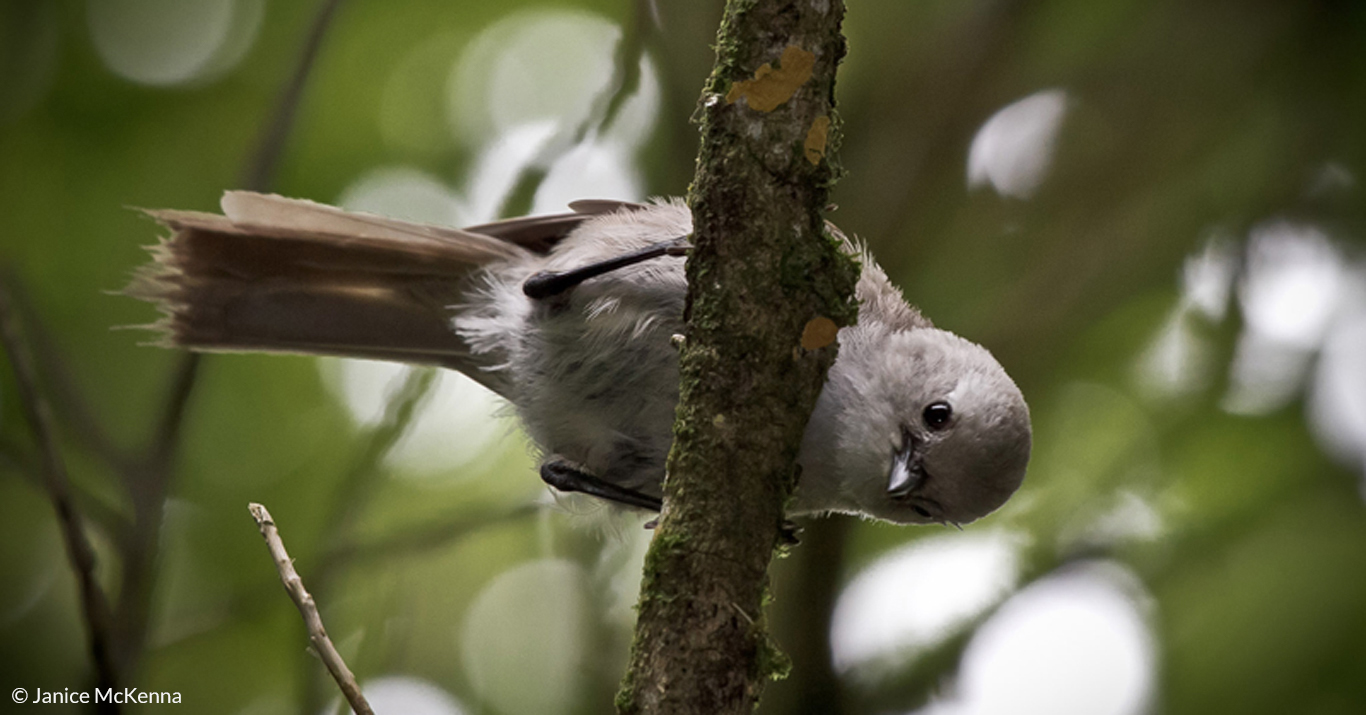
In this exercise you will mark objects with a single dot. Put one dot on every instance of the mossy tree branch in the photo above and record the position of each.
(767, 288)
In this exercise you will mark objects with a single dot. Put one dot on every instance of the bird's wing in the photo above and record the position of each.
(539, 233)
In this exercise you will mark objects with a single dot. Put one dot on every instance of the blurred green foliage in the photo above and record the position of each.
(1183, 120)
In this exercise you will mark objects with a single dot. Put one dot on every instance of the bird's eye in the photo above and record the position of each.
(921, 511)
(937, 415)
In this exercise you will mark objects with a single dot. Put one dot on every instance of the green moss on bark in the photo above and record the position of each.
(762, 267)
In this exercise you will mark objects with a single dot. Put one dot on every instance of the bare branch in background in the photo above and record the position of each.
(161, 452)
(149, 481)
(26, 464)
(38, 412)
(252, 602)
(69, 405)
(807, 588)
(606, 105)
(416, 540)
(260, 171)
(317, 634)
(401, 407)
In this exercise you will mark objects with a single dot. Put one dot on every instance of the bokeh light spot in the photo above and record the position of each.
(600, 169)
(1291, 286)
(410, 696)
(544, 65)
(1076, 643)
(171, 42)
(1180, 360)
(460, 423)
(1013, 150)
(1289, 294)
(404, 193)
(1337, 404)
(913, 597)
(525, 637)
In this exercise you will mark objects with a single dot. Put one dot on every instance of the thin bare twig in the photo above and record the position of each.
(604, 110)
(149, 478)
(401, 406)
(69, 405)
(260, 172)
(161, 452)
(38, 412)
(258, 175)
(317, 634)
(26, 464)
(416, 540)
(400, 409)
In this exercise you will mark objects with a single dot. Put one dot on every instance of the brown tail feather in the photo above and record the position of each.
(280, 275)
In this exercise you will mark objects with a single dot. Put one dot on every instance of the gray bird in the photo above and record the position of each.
(570, 317)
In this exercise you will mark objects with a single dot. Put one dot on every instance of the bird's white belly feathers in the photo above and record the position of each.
(595, 372)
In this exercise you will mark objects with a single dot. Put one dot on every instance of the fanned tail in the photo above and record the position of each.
(284, 275)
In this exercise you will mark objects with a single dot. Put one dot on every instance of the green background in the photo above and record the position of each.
(1184, 120)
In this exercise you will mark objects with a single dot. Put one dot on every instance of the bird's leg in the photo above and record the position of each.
(548, 284)
(566, 477)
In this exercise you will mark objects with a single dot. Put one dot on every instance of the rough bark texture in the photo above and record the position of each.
(767, 285)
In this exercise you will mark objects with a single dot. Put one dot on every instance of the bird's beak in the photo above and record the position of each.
(906, 472)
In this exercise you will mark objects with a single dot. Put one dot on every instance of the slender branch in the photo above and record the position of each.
(161, 452)
(259, 175)
(801, 621)
(415, 540)
(762, 269)
(604, 110)
(317, 634)
(38, 413)
(149, 479)
(70, 406)
(72, 411)
(399, 411)
(352, 493)
(15, 458)
(260, 172)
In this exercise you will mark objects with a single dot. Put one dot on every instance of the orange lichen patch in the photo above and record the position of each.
(819, 332)
(771, 87)
(816, 137)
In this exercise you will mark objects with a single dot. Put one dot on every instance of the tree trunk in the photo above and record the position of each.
(767, 288)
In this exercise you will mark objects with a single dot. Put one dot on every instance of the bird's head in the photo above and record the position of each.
(928, 427)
